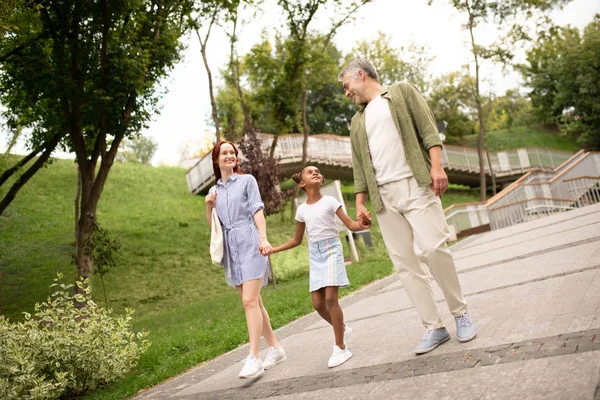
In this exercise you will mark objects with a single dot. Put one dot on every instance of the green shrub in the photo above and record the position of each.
(70, 345)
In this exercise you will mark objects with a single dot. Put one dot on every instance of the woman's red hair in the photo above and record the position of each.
(215, 159)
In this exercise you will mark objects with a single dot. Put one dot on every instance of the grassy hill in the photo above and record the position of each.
(523, 137)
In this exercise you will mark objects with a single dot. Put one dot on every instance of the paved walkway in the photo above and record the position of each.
(533, 290)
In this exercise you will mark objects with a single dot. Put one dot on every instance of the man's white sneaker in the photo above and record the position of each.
(339, 356)
(252, 367)
(274, 357)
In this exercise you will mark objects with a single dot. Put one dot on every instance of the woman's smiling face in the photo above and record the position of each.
(227, 157)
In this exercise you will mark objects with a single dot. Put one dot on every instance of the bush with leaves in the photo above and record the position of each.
(266, 170)
(69, 346)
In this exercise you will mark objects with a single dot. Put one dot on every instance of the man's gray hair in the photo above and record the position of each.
(359, 64)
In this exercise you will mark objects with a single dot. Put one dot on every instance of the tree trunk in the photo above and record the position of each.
(234, 65)
(305, 127)
(11, 171)
(14, 139)
(213, 102)
(481, 137)
(492, 175)
(77, 204)
(482, 183)
(84, 257)
(273, 145)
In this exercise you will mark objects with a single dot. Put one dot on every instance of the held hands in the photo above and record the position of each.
(265, 248)
(364, 222)
(440, 180)
(363, 216)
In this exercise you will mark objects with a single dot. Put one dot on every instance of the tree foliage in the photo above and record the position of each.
(263, 73)
(563, 72)
(512, 19)
(86, 73)
(451, 100)
(138, 149)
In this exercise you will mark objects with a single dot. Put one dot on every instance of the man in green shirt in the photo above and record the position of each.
(397, 162)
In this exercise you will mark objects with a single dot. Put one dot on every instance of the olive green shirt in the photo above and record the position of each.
(418, 130)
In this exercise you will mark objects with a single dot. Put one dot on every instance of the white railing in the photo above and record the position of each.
(575, 183)
(506, 162)
(336, 150)
(526, 210)
(545, 184)
(463, 217)
(200, 175)
(584, 189)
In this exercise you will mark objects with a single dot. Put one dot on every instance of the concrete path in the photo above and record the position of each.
(533, 291)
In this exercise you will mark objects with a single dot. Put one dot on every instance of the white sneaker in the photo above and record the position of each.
(252, 367)
(347, 334)
(339, 356)
(274, 357)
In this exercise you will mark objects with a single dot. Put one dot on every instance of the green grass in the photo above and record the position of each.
(523, 137)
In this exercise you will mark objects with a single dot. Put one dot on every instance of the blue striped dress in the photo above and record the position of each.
(237, 202)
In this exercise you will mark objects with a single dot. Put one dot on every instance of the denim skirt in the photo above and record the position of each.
(327, 267)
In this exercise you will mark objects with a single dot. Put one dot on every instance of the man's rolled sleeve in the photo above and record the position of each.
(422, 116)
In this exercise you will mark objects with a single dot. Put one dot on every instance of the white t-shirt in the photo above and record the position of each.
(385, 143)
(320, 218)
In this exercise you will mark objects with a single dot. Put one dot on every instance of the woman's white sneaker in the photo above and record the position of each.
(274, 357)
(252, 367)
(339, 356)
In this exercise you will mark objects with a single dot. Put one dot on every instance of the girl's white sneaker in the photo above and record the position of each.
(339, 356)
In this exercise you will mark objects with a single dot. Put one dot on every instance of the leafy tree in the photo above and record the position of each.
(139, 149)
(563, 74)
(328, 111)
(210, 13)
(509, 111)
(505, 13)
(451, 101)
(83, 74)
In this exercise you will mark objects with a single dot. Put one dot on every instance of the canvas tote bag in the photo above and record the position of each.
(216, 239)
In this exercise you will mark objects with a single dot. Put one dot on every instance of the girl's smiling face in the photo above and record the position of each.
(311, 175)
(227, 157)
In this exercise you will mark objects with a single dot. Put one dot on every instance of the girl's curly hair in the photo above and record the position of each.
(297, 177)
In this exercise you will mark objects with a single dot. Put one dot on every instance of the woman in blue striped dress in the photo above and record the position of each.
(240, 210)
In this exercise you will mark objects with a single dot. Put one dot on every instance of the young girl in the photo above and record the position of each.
(327, 270)
(240, 211)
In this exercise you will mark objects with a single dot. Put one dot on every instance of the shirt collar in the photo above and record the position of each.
(232, 177)
(384, 91)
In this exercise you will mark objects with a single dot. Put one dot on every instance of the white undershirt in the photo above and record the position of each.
(320, 218)
(385, 143)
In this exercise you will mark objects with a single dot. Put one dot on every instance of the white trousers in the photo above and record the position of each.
(414, 230)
